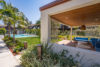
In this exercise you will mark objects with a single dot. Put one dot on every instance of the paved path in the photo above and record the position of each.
(6, 57)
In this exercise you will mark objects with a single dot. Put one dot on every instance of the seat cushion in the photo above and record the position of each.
(93, 41)
(80, 39)
(98, 43)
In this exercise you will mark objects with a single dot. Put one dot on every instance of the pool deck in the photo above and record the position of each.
(6, 57)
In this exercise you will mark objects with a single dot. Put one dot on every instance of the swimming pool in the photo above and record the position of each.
(21, 35)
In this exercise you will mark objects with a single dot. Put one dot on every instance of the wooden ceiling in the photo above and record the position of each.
(89, 15)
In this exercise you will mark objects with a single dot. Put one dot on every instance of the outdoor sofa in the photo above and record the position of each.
(94, 41)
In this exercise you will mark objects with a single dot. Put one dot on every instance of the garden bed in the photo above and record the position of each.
(18, 46)
(14, 46)
(48, 58)
(11, 50)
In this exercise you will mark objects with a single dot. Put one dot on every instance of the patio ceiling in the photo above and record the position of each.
(89, 15)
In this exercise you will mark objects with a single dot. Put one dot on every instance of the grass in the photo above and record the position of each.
(30, 40)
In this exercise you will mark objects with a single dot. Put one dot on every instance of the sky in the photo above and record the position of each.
(30, 8)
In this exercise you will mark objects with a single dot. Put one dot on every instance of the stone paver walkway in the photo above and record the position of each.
(6, 57)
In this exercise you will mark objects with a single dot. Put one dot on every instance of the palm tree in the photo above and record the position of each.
(17, 18)
(5, 14)
(11, 16)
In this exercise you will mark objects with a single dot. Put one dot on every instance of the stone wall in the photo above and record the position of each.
(87, 58)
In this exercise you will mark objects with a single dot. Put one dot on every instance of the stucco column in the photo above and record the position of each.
(45, 28)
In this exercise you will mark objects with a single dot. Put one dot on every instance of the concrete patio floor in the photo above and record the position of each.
(6, 57)
(79, 44)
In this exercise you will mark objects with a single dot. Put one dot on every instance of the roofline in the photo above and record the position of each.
(52, 4)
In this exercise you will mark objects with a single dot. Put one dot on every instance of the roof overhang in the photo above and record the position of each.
(52, 4)
(73, 12)
(89, 15)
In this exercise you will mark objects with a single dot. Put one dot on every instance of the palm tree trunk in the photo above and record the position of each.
(14, 34)
(4, 34)
(9, 32)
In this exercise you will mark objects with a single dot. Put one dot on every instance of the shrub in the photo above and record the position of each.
(11, 38)
(17, 49)
(32, 31)
(17, 46)
(19, 43)
(81, 33)
(61, 37)
(26, 30)
(7, 42)
(38, 32)
(11, 44)
(68, 37)
(2, 31)
(49, 58)
(5, 38)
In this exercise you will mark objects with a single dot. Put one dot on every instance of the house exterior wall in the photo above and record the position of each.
(67, 6)
(87, 58)
(45, 28)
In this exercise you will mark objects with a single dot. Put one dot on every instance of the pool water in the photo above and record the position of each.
(21, 35)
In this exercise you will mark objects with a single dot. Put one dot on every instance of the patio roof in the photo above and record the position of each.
(69, 12)
(89, 15)
(52, 4)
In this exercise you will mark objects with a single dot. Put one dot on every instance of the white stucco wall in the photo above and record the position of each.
(87, 58)
(45, 28)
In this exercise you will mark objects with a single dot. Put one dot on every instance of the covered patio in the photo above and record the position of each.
(72, 13)
(69, 12)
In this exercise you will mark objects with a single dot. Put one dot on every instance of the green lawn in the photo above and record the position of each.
(30, 40)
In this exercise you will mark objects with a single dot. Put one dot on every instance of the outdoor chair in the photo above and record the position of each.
(93, 41)
(97, 46)
(81, 39)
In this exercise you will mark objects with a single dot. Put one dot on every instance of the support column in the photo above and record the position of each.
(71, 33)
(45, 28)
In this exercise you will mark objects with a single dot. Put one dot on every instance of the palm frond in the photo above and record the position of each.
(3, 4)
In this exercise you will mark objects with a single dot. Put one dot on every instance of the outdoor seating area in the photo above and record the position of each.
(84, 43)
(62, 33)
(96, 43)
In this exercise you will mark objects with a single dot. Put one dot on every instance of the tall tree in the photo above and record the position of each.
(38, 22)
(5, 14)
(11, 16)
(17, 18)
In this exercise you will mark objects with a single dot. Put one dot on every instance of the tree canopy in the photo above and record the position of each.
(11, 16)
